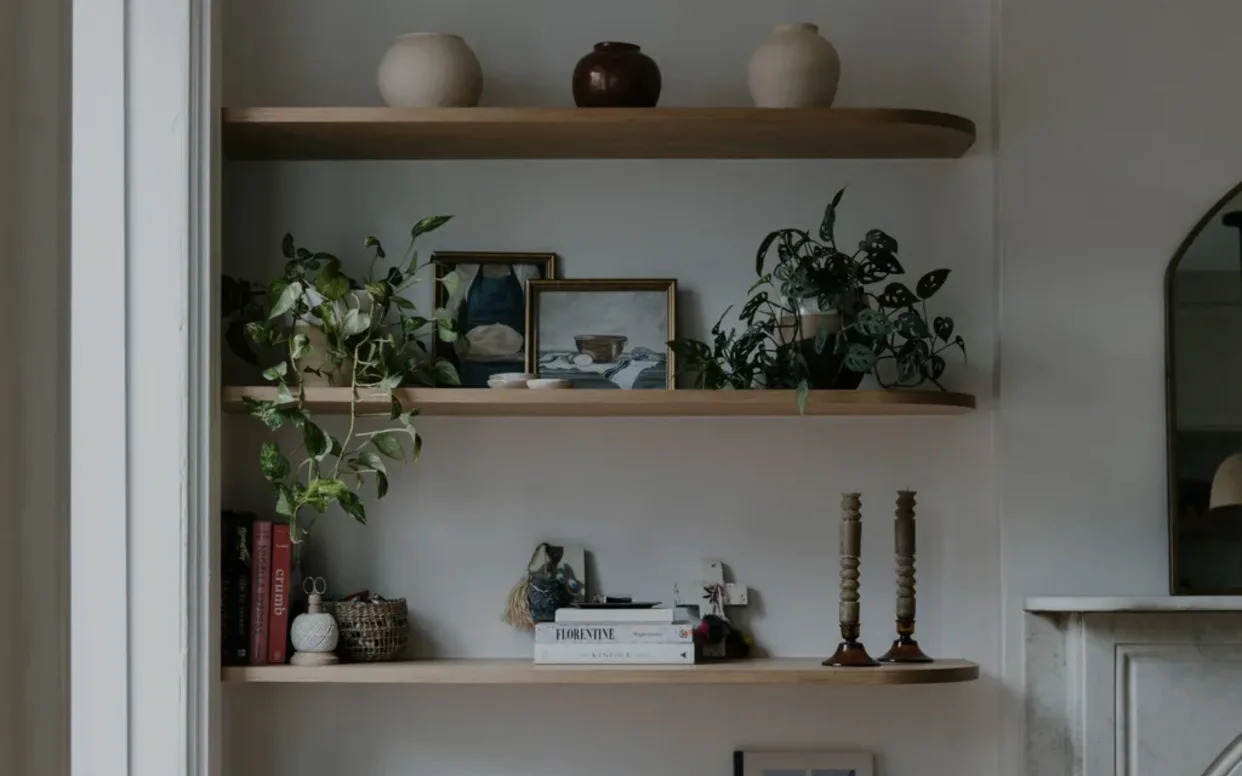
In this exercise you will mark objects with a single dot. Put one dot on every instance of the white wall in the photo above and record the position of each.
(1118, 132)
(649, 497)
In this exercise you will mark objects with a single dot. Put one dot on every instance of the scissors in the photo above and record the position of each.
(315, 586)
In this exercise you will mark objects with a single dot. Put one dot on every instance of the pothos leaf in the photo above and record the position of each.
(286, 246)
(317, 443)
(276, 372)
(273, 463)
(372, 242)
(285, 501)
(352, 505)
(299, 346)
(452, 282)
(286, 297)
(445, 373)
(388, 444)
(428, 225)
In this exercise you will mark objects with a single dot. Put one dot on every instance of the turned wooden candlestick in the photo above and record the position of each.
(905, 649)
(850, 652)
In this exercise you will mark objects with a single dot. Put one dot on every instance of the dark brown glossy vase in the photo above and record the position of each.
(617, 75)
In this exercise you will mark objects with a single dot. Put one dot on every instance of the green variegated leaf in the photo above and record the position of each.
(273, 463)
(299, 346)
(285, 504)
(286, 246)
(355, 322)
(388, 444)
(318, 444)
(446, 373)
(372, 242)
(276, 372)
(286, 298)
(873, 323)
(859, 358)
(352, 505)
(428, 225)
(452, 282)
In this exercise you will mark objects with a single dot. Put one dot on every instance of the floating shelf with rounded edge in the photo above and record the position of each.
(777, 671)
(485, 402)
(593, 133)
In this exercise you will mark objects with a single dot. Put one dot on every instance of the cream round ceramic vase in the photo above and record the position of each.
(430, 70)
(795, 67)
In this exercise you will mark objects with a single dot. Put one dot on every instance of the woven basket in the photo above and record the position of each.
(373, 632)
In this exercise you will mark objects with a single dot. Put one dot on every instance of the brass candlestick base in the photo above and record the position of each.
(851, 654)
(905, 650)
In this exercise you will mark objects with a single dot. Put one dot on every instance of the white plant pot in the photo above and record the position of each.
(794, 68)
(812, 320)
(430, 70)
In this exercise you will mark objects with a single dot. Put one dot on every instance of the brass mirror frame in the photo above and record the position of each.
(1170, 393)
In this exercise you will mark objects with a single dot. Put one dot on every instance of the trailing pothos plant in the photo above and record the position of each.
(361, 334)
(881, 330)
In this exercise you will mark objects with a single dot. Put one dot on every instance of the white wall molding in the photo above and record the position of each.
(142, 496)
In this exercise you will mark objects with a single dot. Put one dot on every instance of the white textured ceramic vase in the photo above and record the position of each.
(794, 68)
(430, 70)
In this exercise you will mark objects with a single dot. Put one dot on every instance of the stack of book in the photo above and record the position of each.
(256, 595)
(614, 637)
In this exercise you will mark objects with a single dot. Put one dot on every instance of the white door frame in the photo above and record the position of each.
(144, 389)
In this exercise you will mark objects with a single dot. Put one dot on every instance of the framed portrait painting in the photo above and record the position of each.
(802, 764)
(610, 334)
(489, 307)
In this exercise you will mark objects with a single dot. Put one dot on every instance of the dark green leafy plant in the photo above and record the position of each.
(883, 331)
(364, 335)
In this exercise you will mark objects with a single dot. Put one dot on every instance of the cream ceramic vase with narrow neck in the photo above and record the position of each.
(794, 68)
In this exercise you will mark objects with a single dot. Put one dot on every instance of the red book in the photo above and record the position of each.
(278, 622)
(260, 590)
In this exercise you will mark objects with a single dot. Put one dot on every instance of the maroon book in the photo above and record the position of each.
(282, 568)
(260, 591)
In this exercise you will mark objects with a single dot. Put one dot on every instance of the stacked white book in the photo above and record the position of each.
(614, 637)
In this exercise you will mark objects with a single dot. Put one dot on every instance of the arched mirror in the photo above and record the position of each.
(1204, 361)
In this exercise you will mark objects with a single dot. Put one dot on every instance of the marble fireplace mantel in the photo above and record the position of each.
(1148, 604)
(1133, 686)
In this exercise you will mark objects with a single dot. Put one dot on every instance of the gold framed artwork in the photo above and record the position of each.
(489, 307)
(610, 334)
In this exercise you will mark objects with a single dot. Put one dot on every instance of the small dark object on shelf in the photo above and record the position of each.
(713, 630)
(617, 75)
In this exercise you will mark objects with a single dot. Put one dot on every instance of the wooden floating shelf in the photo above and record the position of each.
(525, 672)
(483, 402)
(593, 133)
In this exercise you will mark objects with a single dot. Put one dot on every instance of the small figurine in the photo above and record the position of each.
(315, 633)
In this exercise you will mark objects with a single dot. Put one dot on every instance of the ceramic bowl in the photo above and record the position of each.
(604, 348)
(506, 384)
(509, 377)
(546, 384)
